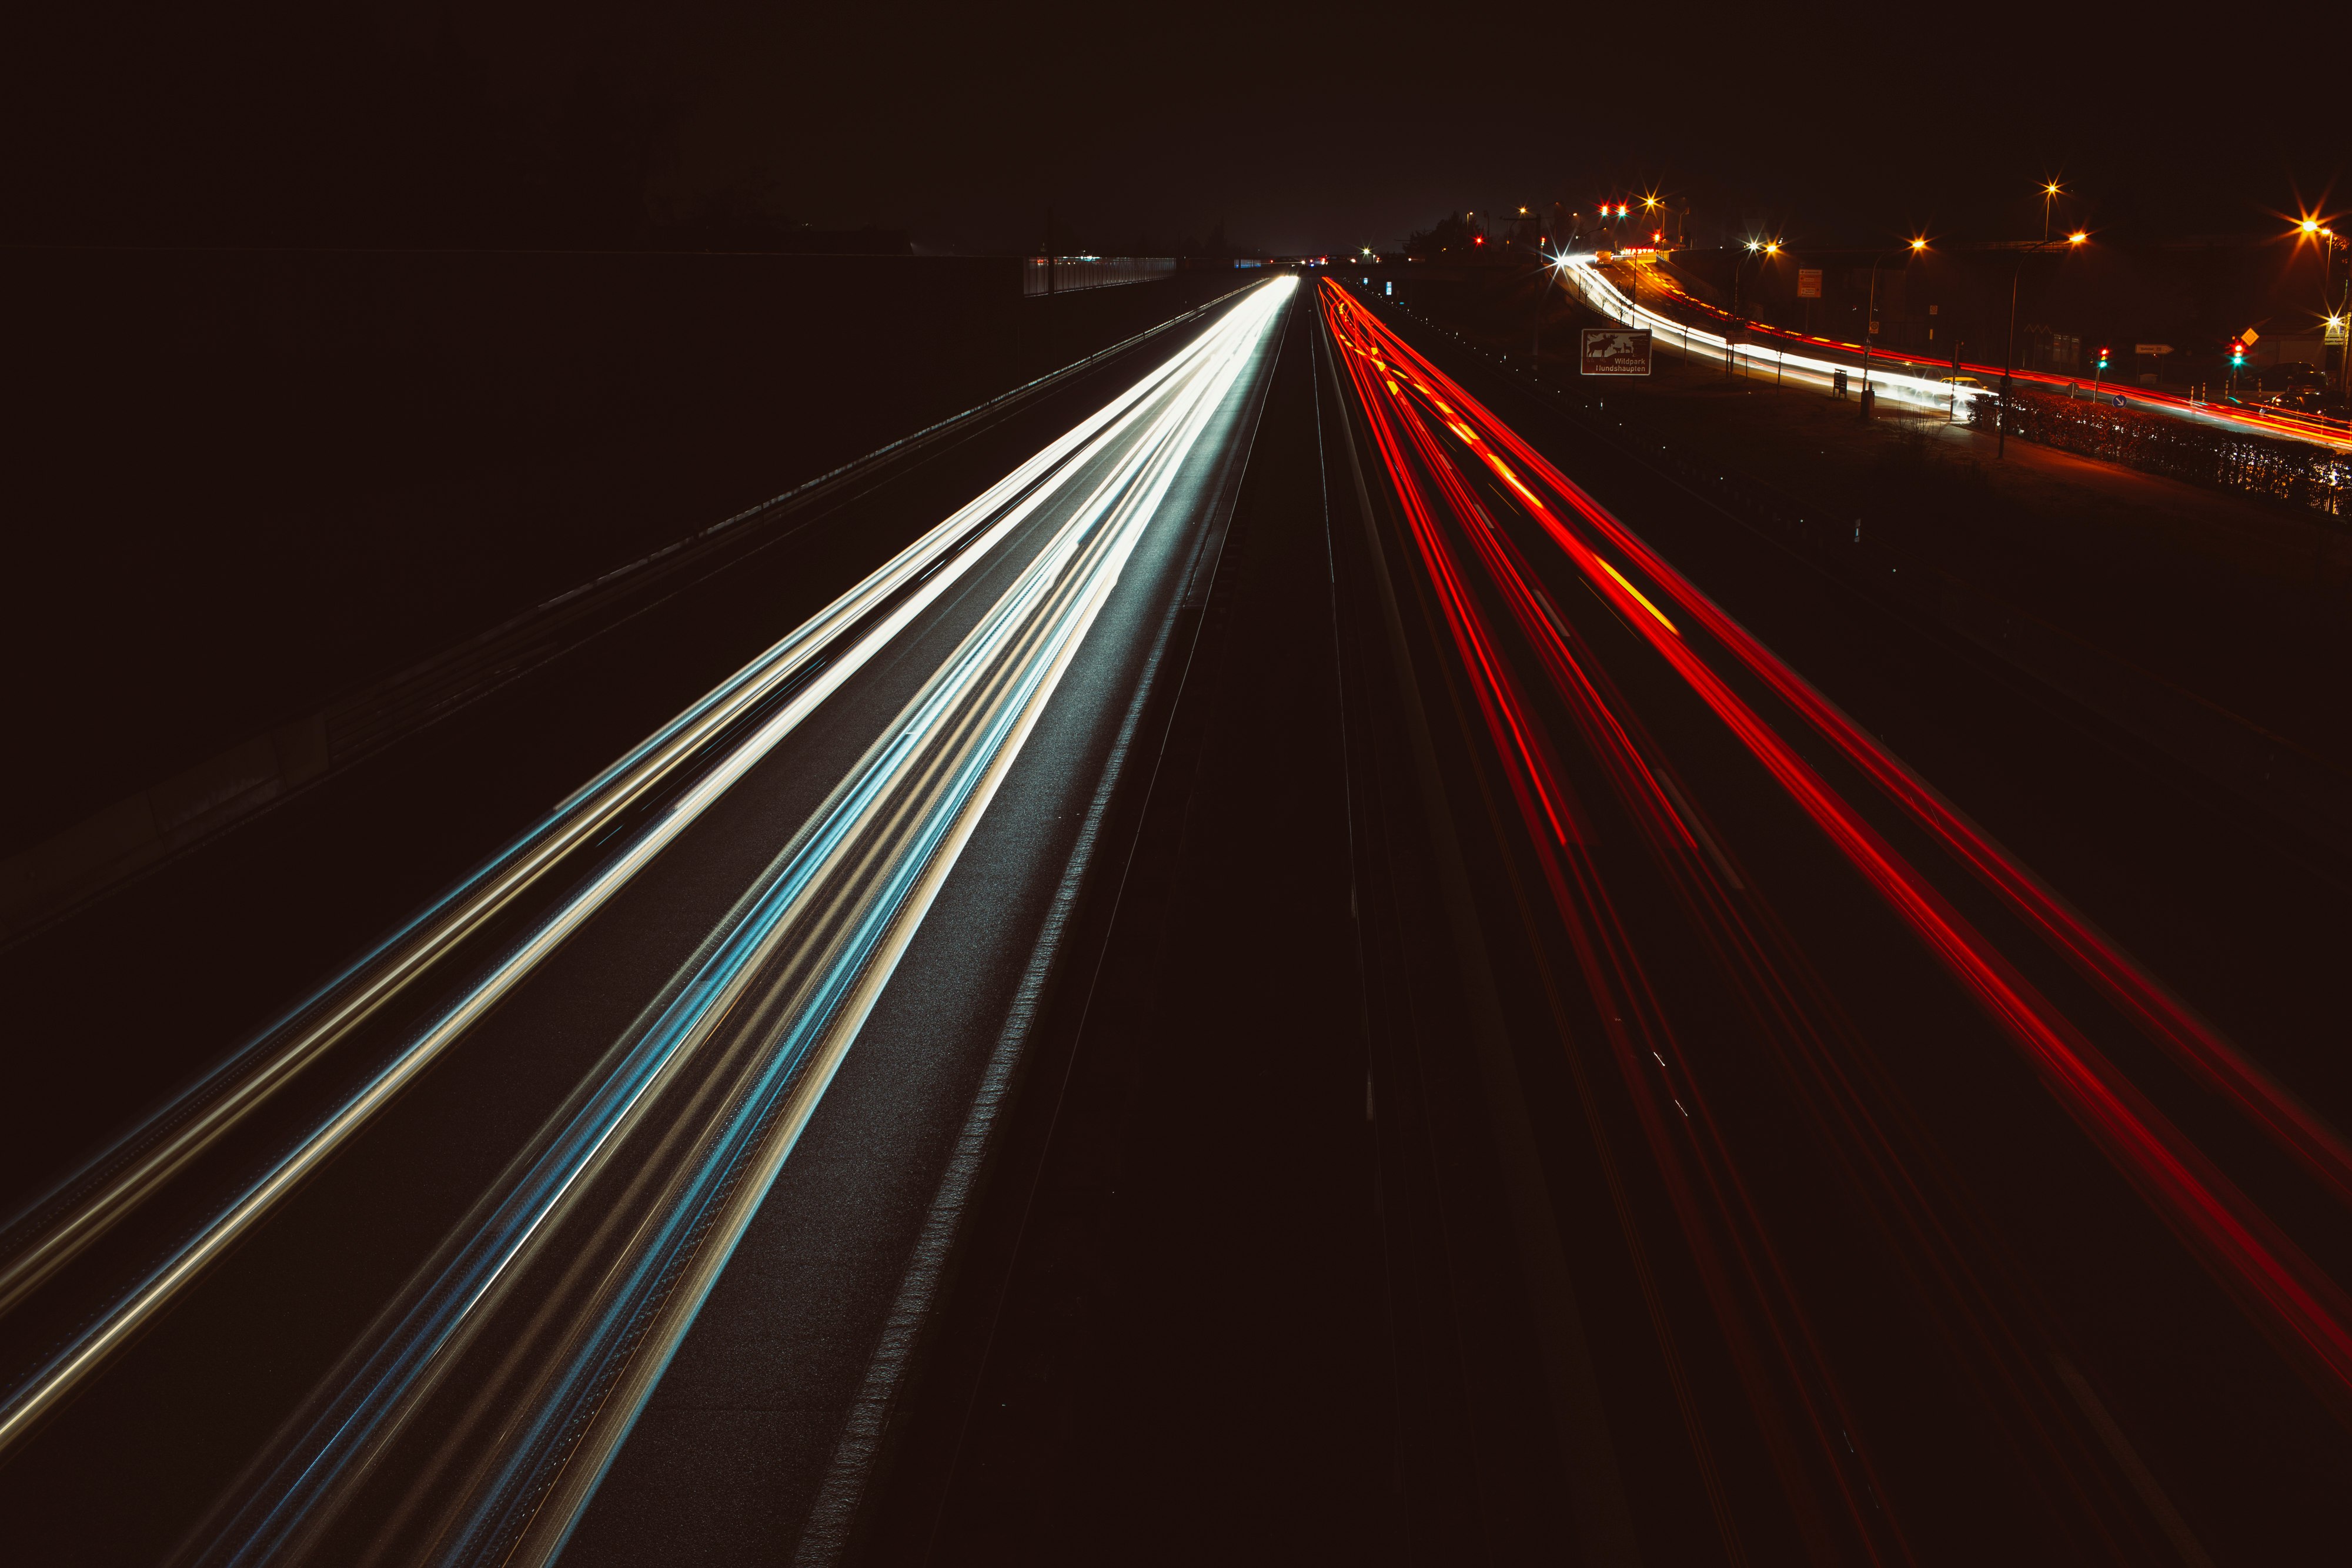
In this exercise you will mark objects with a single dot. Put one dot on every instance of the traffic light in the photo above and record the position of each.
(2237, 354)
(2103, 356)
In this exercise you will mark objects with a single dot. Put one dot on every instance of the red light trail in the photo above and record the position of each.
(1440, 448)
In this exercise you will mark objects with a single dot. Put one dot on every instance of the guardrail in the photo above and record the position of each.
(51, 878)
(2217, 457)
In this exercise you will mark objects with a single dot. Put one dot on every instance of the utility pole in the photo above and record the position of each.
(2008, 349)
(1870, 321)
(1551, 271)
(2336, 243)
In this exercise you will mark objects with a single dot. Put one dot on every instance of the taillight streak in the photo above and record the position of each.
(1626, 1005)
(2284, 1292)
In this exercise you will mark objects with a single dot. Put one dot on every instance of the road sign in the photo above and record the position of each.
(2336, 330)
(2152, 348)
(1808, 283)
(1614, 352)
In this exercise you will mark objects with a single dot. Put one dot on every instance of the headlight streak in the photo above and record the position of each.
(1599, 294)
(143, 1163)
(1926, 1217)
(67, 1219)
(774, 1008)
(2282, 1291)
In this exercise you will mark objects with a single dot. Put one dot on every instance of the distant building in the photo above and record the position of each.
(2042, 348)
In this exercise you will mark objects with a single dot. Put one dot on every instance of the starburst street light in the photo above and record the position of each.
(1759, 246)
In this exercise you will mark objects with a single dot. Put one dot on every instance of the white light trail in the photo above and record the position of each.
(1603, 297)
(1131, 434)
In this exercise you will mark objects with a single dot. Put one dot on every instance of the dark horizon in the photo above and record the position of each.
(418, 126)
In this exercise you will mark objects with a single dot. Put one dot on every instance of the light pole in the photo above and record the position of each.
(1551, 271)
(1765, 248)
(2009, 349)
(1870, 318)
(2340, 309)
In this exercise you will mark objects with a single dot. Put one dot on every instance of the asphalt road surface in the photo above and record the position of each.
(1285, 953)
(395, 1280)
(1930, 1218)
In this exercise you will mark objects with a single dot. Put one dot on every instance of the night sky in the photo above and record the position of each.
(1299, 129)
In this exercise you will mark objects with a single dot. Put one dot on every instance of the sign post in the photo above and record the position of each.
(1614, 352)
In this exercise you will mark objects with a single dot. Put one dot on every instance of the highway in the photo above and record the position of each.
(394, 1280)
(1288, 949)
(1668, 309)
(1913, 1218)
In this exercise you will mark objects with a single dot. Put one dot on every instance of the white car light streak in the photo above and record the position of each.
(1599, 294)
(1169, 404)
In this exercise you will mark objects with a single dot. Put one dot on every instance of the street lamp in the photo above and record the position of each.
(1764, 248)
(2339, 308)
(1557, 270)
(2050, 192)
(2009, 350)
(1869, 313)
